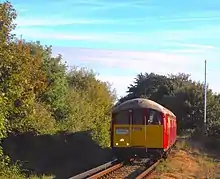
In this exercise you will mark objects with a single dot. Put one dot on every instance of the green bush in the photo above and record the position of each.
(8, 170)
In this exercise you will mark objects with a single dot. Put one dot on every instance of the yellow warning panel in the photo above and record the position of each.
(154, 136)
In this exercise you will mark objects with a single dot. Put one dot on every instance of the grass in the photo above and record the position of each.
(14, 172)
(188, 161)
(42, 177)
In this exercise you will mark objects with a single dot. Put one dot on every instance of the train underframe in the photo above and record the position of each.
(126, 153)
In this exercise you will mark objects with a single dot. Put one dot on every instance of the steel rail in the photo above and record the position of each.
(148, 171)
(94, 170)
(106, 171)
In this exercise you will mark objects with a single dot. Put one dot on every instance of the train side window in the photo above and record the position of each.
(151, 117)
(168, 122)
(159, 118)
(138, 118)
(154, 117)
(122, 117)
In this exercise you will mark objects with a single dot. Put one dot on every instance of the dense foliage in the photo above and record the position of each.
(39, 96)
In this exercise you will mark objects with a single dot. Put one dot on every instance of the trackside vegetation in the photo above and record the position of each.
(40, 96)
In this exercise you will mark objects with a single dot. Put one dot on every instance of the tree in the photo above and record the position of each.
(2, 119)
(20, 81)
(182, 96)
(57, 88)
(54, 95)
(21, 78)
(90, 102)
(7, 16)
(150, 86)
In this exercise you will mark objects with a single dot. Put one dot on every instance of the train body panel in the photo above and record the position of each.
(157, 140)
(138, 136)
(121, 136)
(142, 126)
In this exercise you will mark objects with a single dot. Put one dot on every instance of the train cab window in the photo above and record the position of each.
(138, 117)
(154, 117)
(122, 117)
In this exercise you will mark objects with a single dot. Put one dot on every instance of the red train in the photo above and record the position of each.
(143, 128)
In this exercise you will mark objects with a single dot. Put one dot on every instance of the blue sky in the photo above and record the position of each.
(121, 38)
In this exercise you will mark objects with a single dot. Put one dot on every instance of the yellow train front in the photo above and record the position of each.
(143, 128)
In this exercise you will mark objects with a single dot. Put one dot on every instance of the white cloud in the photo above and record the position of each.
(184, 51)
(56, 21)
(127, 59)
(195, 45)
(53, 21)
(120, 83)
(162, 39)
(130, 38)
(191, 19)
(121, 67)
(37, 34)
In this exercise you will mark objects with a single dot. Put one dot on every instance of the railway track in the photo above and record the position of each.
(134, 169)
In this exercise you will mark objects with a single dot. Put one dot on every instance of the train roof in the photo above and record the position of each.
(142, 103)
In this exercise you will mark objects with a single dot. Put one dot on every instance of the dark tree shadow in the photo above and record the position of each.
(209, 146)
(62, 155)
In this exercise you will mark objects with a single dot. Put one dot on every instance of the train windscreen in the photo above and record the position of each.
(154, 117)
(121, 118)
(138, 117)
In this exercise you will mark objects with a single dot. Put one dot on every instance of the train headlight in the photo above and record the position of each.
(127, 144)
(116, 144)
(122, 140)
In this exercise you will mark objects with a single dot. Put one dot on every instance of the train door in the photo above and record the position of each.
(168, 130)
(165, 132)
(121, 128)
(138, 128)
(154, 129)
